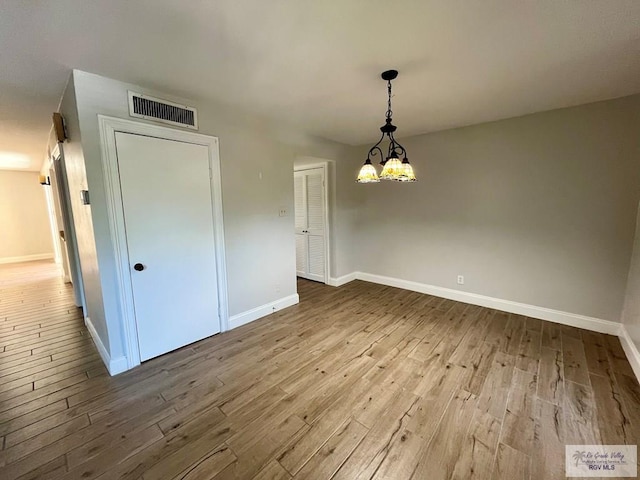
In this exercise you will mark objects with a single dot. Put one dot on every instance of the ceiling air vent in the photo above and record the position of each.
(151, 108)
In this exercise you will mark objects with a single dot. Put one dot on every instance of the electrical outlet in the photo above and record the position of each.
(460, 279)
(283, 212)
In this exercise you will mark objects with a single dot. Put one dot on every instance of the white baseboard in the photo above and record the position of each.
(116, 365)
(262, 311)
(339, 281)
(26, 258)
(557, 316)
(630, 349)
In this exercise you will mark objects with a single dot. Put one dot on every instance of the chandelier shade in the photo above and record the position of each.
(392, 167)
(368, 173)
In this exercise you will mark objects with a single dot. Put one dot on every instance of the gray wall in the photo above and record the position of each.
(23, 216)
(538, 209)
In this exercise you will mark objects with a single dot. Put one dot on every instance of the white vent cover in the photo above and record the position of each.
(151, 108)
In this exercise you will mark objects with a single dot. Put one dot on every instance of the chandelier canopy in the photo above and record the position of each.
(392, 167)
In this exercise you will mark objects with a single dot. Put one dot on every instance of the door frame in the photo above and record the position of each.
(324, 165)
(59, 167)
(52, 212)
(108, 127)
(58, 219)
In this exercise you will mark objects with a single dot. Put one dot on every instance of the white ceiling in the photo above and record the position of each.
(316, 63)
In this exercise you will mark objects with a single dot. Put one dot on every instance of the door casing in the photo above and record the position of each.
(108, 128)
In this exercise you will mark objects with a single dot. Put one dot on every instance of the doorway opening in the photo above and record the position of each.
(311, 206)
(65, 225)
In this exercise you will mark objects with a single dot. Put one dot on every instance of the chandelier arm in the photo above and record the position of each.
(404, 152)
(376, 151)
(396, 144)
(376, 145)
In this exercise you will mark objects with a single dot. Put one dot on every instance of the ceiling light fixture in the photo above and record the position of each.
(392, 167)
(14, 161)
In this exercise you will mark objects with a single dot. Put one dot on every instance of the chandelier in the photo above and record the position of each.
(392, 167)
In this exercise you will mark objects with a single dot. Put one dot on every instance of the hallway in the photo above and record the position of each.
(46, 353)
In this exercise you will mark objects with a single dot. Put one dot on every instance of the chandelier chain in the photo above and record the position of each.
(389, 111)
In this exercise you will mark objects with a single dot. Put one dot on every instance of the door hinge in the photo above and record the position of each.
(210, 173)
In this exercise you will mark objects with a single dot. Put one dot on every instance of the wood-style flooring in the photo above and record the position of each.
(357, 382)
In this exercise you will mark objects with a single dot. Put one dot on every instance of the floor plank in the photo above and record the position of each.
(547, 453)
(511, 464)
(551, 376)
(575, 360)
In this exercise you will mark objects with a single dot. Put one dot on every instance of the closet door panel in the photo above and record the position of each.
(316, 257)
(301, 255)
(300, 201)
(315, 203)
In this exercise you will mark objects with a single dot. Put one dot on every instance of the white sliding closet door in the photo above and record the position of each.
(310, 214)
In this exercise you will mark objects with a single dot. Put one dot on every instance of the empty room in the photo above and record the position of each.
(304, 239)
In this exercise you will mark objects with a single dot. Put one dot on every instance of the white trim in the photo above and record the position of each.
(116, 365)
(262, 311)
(324, 165)
(630, 349)
(108, 128)
(26, 258)
(557, 316)
(339, 281)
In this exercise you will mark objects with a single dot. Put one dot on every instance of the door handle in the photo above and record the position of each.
(138, 267)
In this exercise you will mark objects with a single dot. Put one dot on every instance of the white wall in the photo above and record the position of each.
(89, 274)
(538, 209)
(260, 251)
(26, 230)
(631, 312)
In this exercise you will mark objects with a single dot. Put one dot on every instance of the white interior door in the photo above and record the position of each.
(60, 233)
(168, 216)
(310, 221)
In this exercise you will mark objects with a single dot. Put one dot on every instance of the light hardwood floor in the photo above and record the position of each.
(358, 382)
